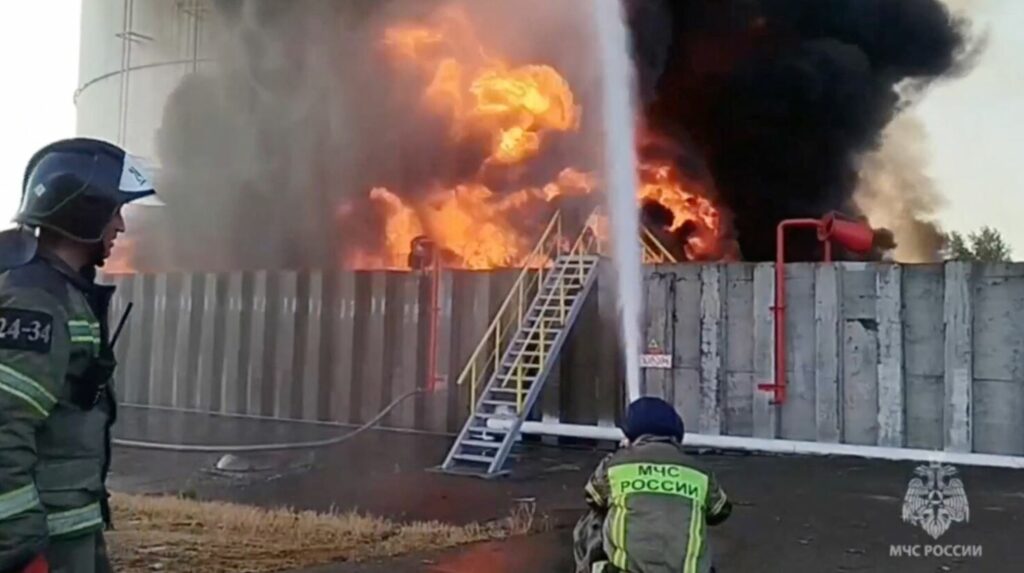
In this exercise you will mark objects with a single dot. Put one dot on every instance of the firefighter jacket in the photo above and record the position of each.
(56, 406)
(657, 506)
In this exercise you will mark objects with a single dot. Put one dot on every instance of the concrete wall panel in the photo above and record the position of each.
(610, 372)
(372, 351)
(173, 373)
(579, 356)
(798, 414)
(308, 360)
(928, 356)
(283, 343)
(342, 326)
(437, 402)
(860, 354)
(958, 312)
(891, 386)
(255, 369)
(137, 365)
(923, 342)
(998, 359)
(233, 392)
(739, 350)
(684, 326)
(405, 375)
(766, 422)
(827, 349)
(122, 349)
(712, 349)
(659, 299)
(163, 341)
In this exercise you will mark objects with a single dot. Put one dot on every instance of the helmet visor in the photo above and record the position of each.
(136, 183)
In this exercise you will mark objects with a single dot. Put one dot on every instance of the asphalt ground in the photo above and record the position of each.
(791, 513)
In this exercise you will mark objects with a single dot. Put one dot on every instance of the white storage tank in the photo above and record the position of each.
(133, 54)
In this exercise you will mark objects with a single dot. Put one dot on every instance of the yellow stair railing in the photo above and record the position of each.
(486, 357)
(655, 252)
(573, 268)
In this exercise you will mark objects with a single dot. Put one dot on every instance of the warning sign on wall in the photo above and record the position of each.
(656, 361)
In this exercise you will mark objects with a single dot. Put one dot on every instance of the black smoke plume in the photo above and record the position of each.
(772, 102)
(779, 98)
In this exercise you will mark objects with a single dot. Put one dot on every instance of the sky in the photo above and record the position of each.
(974, 123)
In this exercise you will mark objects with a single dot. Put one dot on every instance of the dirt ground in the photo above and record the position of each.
(174, 534)
(791, 514)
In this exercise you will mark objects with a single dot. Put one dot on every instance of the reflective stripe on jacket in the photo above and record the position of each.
(657, 504)
(54, 430)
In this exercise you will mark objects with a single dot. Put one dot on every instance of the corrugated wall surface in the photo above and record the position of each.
(914, 356)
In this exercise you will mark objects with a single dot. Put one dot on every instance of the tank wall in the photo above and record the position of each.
(133, 54)
(928, 356)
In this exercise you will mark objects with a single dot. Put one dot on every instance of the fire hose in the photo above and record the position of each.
(228, 449)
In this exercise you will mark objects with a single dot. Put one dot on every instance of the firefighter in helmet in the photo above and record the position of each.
(56, 363)
(650, 503)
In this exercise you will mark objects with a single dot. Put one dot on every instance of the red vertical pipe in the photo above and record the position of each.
(778, 386)
(857, 239)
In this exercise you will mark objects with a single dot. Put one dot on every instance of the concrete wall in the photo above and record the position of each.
(903, 356)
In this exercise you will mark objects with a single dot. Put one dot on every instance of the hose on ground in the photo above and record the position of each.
(228, 449)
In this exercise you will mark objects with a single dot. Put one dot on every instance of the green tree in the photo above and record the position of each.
(984, 246)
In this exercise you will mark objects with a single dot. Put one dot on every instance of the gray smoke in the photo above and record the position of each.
(299, 114)
(896, 193)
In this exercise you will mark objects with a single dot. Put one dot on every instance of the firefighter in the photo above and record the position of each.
(56, 363)
(649, 502)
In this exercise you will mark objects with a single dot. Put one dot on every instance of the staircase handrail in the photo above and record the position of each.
(523, 283)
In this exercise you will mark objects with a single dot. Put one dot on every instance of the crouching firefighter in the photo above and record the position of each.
(56, 364)
(649, 502)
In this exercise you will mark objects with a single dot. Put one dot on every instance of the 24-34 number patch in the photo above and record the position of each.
(25, 330)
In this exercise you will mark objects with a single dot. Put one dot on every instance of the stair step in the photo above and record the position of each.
(529, 368)
(529, 352)
(509, 390)
(552, 298)
(514, 361)
(558, 287)
(489, 415)
(499, 403)
(486, 430)
(514, 368)
(481, 444)
(531, 333)
(527, 382)
(472, 458)
(539, 317)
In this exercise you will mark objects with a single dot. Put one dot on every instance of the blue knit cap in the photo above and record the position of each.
(654, 417)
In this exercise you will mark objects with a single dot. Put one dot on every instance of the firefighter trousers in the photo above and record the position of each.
(82, 554)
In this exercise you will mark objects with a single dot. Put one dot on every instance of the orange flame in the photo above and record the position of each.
(663, 184)
(121, 257)
(510, 110)
(483, 95)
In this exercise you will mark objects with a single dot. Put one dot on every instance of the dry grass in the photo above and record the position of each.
(173, 534)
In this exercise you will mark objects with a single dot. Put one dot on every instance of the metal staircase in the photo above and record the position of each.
(491, 430)
(509, 367)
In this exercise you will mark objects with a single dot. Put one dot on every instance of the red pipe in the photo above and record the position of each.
(778, 388)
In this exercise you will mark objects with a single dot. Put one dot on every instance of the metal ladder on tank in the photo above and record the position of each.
(507, 371)
(492, 428)
(539, 313)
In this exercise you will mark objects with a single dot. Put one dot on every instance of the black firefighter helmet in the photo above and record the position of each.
(75, 186)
